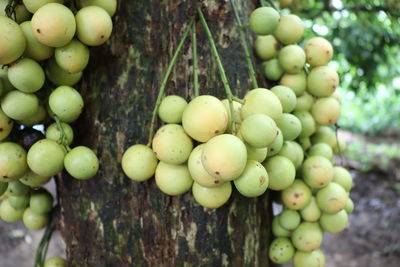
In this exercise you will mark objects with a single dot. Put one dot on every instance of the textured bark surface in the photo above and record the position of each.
(112, 221)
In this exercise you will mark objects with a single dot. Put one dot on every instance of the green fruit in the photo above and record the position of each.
(3, 187)
(33, 180)
(304, 102)
(266, 47)
(34, 49)
(46, 151)
(224, 157)
(264, 20)
(55, 262)
(276, 145)
(332, 198)
(54, 133)
(296, 196)
(108, 5)
(253, 181)
(8, 213)
(322, 81)
(281, 250)
(311, 212)
(205, 117)
(172, 145)
(281, 172)
(308, 125)
(12, 161)
(33, 6)
(26, 75)
(6, 125)
(173, 179)
(326, 111)
(286, 96)
(261, 101)
(325, 135)
(315, 258)
(289, 219)
(334, 223)
(258, 130)
(212, 197)
(19, 105)
(257, 154)
(12, 41)
(171, 109)
(59, 77)
(35, 221)
(277, 229)
(304, 142)
(236, 110)
(197, 171)
(41, 201)
(81, 163)
(317, 171)
(307, 237)
(139, 163)
(37, 118)
(292, 58)
(19, 202)
(66, 103)
(294, 152)
(297, 82)
(318, 51)
(290, 126)
(54, 25)
(342, 177)
(323, 150)
(349, 206)
(16, 188)
(290, 29)
(93, 25)
(273, 70)
(73, 57)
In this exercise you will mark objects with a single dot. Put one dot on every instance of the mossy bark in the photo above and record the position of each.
(113, 221)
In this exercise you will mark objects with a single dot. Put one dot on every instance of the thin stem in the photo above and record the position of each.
(243, 40)
(43, 246)
(262, 3)
(165, 80)
(272, 4)
(63, 137)
(214, 51)
(195, 62)
(237, 99)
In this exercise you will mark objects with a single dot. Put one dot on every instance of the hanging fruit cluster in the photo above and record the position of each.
(43, 52)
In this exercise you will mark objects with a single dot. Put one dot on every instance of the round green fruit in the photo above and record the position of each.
(317, 171)
(321, 149)
(257, 154)
(322, 81)
(286, 96)
(281, 250)
(311, 212)
(46, 151)
(253, 181)
(139, 162)
(173, 179)
(108, 5)
(212, 197)
(297, 82)
(258, 130)
(307, 237)
(326, 111)
(304, 142)
(53, 133)
(296, 196)
(308, 125)
(273, 70)
(304, 102)
(289, 219)
(18, 105)
(16, 188)
(349, 206)
(12, 41)
(281, 172)
(19, 202)
(34, 49)
(276, 145)
(35, 221)
(318, 51)
(81, 163)
(66, 103)
(342, 177)
(315, 258)
(37, 118)
(41, 201)
(8, 213)
(293, 151)
(33, 6)
(266, 47)
(12, 161)
(332, 198)
(334, 223)
(277, 229)
(26, 75)
(59, 77)
(261, 101)
(73, 57)
(290, 126)
(55, 262)
(33, 180)
(292, 58)
(264, 20)
(290, 29)
(326, 135)
(171, 109)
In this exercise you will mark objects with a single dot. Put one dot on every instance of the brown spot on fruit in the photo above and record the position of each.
(217, 172)
(102, 36)
(198, 161)
(296, 195)
(38, 30)
(262, 180)
(216, 131)
(216, 182)
(1, 129)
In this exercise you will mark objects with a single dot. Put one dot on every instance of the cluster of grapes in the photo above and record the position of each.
(39, 40)
(314, 192)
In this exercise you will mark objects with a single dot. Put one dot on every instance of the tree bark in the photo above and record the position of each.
(113, 221)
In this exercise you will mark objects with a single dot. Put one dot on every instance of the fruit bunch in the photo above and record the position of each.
(43, 52)
(314, 192)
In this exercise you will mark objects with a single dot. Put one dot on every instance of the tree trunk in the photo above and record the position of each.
(113, 221)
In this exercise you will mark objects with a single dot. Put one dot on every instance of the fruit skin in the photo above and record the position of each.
(334, 223)
(41, 201)
(281, 172)
(19, 105)
(26, 75)
(19, 202)
(326, 111)
(173, 179)
(171, 109)
(3, 187)
(290, 29)
(296, 196)
(332, 198)
(264, 20)
(73, 57)
(273, 70)
(292, 59)
(93, 25)
(16, 188)
(257, 154)
(108, 5)
(53, 133)
(293, 151)
(263, 101)
(12, 161)
(315, 258)
(311, 212)
(33, 6)
(289, 219)
(342, 177)
(322, 81)
(205, 117)
(326, 135)
(258, 130)
(253, 181)
(321, 149)
(281, 250)
(54, 25)
(34, 49)
(307, 236)
(212, 197)
(266, 47)
(33, 180)
(224, 157)
(66, 103)
(308, 125)
(286, 96)
(35, 221)
(55, 262)
(317, 171)
(290, 126)
(6, 124)
(277, 229)
(81, 163)
(8, 213)
(297, 82)
(171, 144)
(12, 41)
(58, 76)
(318, 51)
(304, 102)
(276, 145)
(139, 163)
(349, 206)
(46, 151)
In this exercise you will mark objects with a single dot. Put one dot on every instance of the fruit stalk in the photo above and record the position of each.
(43, 246)
(62, 134)
(165, 80)
(224, 79)
(243, 40)
(195, 62)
